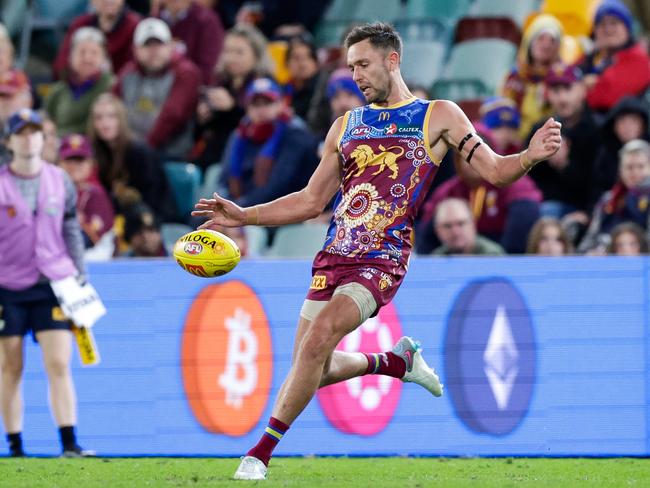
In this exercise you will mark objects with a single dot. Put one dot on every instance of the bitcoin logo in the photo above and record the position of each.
(241, 356)
(227, 358)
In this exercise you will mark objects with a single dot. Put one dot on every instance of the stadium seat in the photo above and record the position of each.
(422, 61)
(486, 61)
(330, 32)
(298, 241)
(576, 16)
(516, 11)
(277, 51)
(340, 10)
(184, 180)
(424, 30)
(470, 28)
(210, 181)
(171, 232)
(459, 90)
(381, 10)
(471, 108)
(257, 239)
(13, 16)
(446, 10)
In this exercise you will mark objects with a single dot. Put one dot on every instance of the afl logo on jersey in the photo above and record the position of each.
(390, 129)
(362, 130)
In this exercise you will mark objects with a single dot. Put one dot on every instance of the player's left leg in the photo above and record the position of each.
(56, 346)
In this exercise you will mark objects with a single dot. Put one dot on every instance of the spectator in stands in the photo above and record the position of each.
(51, 140)
(343, 93)
(501, 117)
(15, 94)
(221, 106)
(197, 31)
(142, 233)
(271, 153)
(268, 15)
(548, 238)
(456, 231)
(566, 180)
(502, 214)
(305, 77)
(69, 102)
(627, 121)
(7, 52)
(539, 50)
(618, 66)
(161, 91)
(129, 170)
(116, 22)
(628, 239)
(628, 200)
(94, 208)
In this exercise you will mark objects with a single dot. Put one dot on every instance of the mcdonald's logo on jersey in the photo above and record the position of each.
(384, 116)
(227, 358)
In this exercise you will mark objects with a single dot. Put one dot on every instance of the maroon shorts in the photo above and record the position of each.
(382, 277)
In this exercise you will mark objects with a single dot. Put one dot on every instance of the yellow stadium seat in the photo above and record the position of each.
(277, 51)
(576, 16)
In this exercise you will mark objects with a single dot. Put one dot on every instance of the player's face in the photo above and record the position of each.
(550, 242)
(370, 67)
(634, 169)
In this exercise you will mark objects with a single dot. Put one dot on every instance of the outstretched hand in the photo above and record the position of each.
(220, 212)
(545, 142)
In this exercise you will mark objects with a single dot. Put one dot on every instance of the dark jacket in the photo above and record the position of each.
(571, 184)
(296, 161)
(605, 169)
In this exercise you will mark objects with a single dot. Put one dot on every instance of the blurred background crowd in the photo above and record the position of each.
(151, 104)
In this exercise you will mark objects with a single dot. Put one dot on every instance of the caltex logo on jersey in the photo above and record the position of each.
(390, 129)
(227, 359)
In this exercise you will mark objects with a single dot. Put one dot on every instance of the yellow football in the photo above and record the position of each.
(206, 253)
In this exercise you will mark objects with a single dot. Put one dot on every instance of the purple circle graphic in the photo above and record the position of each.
(490, 357)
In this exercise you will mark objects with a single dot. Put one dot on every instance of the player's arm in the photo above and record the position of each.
(296, 207)
(449, 125)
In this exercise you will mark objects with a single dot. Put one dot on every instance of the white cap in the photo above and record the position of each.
(151, 28)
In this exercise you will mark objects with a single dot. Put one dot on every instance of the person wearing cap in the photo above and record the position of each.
(500, 115)
(40, 241)
(343, 93)
(142, 233)
(538, 51)
(94, 207)
(198, 33)
(89, 75)
(618, 66)
(566, 180)
(161, 90)
(271, 153)
(116, 22)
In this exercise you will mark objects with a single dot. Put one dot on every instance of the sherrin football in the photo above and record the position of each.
(206, 253)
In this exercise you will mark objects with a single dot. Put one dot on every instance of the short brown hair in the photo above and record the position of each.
(379, 34)
(535, 235)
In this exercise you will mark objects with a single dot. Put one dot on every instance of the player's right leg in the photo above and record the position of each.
(11, 399)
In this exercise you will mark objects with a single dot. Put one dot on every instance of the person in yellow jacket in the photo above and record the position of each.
(538, 51)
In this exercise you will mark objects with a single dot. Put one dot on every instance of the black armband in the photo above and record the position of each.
(471, 153)
(465, 139)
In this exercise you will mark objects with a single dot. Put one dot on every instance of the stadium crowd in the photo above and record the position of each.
(143, 96)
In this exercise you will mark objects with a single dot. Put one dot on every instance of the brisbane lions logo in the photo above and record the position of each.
(365, 157)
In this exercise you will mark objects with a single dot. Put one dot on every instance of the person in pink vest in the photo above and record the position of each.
(40, 241)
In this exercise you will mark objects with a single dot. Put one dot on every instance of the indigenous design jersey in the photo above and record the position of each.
(387, 170)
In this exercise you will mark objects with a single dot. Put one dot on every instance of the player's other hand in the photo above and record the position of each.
(220, 212)
(545, 142)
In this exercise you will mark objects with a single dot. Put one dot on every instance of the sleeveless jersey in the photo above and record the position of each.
(387, 169)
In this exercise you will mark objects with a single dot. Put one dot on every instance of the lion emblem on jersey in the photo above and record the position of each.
(365, 157)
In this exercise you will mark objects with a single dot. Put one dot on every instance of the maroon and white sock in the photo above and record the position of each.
(274, 431)
(386, 363)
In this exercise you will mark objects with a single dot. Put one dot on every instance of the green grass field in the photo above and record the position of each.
(335, 472)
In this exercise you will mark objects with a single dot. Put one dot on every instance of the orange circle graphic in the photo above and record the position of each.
(227, 358)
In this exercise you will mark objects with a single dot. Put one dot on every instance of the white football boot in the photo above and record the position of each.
(250, 468)
(417, 369)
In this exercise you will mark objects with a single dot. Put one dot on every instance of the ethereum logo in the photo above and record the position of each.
(500, 359)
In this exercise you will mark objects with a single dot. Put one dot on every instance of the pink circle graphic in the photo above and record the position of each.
(365, 405)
